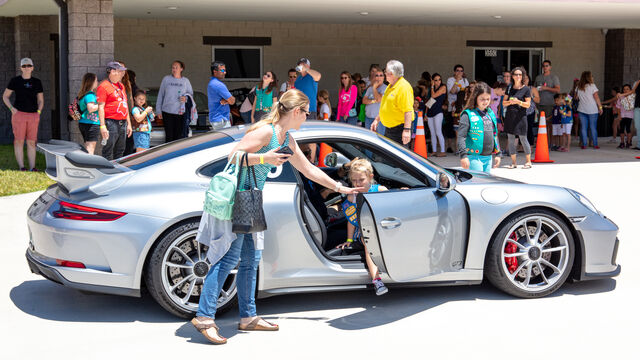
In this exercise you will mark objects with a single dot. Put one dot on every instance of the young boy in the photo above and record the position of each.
(556, 120)
(566, 122)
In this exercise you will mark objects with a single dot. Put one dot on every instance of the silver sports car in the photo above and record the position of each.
(115, 227)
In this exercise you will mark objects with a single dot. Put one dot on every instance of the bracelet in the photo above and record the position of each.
(261, 159)
(337, 188)
(349, 240)
(406, 129)
(103, 126)
(39, 111)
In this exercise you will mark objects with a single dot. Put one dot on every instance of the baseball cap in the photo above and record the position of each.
(26, 61)
(303, 60)
(115, 65)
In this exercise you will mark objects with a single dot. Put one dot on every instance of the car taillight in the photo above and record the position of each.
(71, 264)
(79, 212)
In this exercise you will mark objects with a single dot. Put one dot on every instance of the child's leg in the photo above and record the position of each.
(373, 269)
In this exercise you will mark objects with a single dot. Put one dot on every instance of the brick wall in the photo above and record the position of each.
(631, 69)
(149, 47)
(7, 71)
(622, 58)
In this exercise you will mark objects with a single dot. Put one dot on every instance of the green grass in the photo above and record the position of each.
(13, 181)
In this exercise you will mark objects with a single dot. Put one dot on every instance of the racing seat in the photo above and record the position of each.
(315, 223)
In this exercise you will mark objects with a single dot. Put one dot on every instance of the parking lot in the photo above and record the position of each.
(591, 320)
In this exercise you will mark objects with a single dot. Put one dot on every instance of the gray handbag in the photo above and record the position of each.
(248, 214)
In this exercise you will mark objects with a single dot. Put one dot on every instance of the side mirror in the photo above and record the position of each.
(445, 183)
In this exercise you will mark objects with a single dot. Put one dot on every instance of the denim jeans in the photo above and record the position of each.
(352, 120)
(636, 123)
(589, 121)
(480, 163)
(241, 249)
(114, 148)
(217, 125)
(246, 117)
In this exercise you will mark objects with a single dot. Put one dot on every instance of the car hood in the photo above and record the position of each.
(468, 177)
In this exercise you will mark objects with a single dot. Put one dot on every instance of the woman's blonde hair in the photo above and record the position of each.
(290, 100)
(358, 165)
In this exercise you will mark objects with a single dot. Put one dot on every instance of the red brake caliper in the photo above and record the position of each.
(511, 248)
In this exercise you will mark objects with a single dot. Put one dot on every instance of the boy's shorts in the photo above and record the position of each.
(25, 125)
(141, 139)
(564, 129)
(558, 129)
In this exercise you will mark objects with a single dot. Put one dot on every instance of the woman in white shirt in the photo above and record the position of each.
(589, 108)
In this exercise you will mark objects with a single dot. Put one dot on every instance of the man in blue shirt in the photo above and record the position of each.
(307, 82)
(219, 97)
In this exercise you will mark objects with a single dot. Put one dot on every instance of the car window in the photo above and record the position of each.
(201, 102)
(282, 173)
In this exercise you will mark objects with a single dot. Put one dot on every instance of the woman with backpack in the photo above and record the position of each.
(267, 144)
(89, 122)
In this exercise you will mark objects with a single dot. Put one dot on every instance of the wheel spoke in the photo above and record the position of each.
(520, 246)
(199, 250)
(544, 277)
(185, 279)
(527, 279)
(558, 248)
(192, 285)
(536, 234)
(546, 241)
(553, 267)
(223, 295)
(513, 275)
(526, 231)
(183, 254)
(182, 266)
(514, 254)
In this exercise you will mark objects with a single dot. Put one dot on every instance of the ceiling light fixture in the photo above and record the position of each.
(364, 13)
(497, 16)
(172, 7)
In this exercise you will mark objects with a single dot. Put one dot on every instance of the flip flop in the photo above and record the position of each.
(526, 166)
(203, 327)
(255, 326)
(512, 166)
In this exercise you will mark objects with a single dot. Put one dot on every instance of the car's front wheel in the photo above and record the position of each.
(176, 270)
(531, 255)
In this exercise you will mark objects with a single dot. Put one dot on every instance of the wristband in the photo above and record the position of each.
(406, 129)
(103, 126)
(40, 111)
(337, 188)
(349, 240)
(261, 159)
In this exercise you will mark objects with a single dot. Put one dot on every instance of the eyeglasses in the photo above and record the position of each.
(459, 70)
(545, 65)
(222, 70)
(343, 77)
(293, 76)
(306, 112)
(379, 75)
(438, 79)
(267, 75)
(26, 66)
(517, 74)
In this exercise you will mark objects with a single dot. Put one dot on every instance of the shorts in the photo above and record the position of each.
(625, 125)
(90, 132)
(222, 124)
(561, 129)
(141, 139)
(25, 125)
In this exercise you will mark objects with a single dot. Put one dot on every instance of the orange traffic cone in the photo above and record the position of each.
(542, 147)
(324, 151)
(420, 142)
(326, 117)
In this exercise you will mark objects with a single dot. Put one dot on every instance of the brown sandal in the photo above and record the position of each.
(202, 328)
(254, 326)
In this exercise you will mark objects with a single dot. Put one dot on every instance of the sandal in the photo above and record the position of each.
(526, 166)
(255, 326)
(512, 166)
(203, 327)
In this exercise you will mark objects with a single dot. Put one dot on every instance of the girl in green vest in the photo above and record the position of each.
(478, 132)
(266, 96)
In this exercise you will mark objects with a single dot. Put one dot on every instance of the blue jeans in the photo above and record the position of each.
(246, 116)
(367, 122)
(352, 120)
(636, 123)
(589, 121)
(241, 249)
(480, 163)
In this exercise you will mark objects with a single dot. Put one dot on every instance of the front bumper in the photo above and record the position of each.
(51, 273)
(599, 245)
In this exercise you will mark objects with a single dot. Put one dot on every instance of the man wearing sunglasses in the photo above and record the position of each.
(219, 97)
(307, 82)
(25, 112)
(548, 86)
(290, 83)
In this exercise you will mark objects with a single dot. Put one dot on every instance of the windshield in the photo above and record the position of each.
(427, 163)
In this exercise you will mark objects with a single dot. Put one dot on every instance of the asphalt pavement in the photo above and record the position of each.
(589, 320)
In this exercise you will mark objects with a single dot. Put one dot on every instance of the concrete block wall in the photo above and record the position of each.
(7, 71)
(150, 45)
(631, 68)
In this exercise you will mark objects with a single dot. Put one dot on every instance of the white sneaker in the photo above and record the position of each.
(380, 288)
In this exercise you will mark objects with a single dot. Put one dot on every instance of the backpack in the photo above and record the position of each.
(74, 110)
(628, 102)
(219, 198)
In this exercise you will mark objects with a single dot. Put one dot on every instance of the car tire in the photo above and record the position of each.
(174, 281)
(543, 255)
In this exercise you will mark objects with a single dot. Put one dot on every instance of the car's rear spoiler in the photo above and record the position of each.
(70, 165)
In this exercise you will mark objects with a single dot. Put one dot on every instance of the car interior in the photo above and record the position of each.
(322, 208)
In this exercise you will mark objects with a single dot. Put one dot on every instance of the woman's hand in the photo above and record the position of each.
(274, 158)
(349, 191)
(345, 244)
(183, 99)
(496, 162)
(464, 162)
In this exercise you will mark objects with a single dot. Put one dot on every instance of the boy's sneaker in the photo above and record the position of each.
(621, 146)
(380, 288)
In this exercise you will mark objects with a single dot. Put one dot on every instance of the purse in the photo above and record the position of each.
(430, 103)
(220, 197)
(248, 214)
(628, 102)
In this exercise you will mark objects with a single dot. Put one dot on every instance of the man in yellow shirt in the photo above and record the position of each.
(396, 106)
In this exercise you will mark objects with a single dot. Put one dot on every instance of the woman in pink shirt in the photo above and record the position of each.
(347, 99)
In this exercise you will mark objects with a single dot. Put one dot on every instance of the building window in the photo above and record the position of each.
(244, 63)
(490, 62)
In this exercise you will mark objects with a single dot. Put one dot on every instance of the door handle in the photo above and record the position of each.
(390, 223)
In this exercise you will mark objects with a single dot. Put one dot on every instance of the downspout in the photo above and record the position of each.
(63, 52)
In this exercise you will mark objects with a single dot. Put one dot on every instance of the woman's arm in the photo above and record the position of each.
(353, 91)
(535, 95)
(160, 97)
(254, 141)
(441, 90)
(189, 89)
(526, 103)
(253, 110)
(597, 98)
(635, 86)
(339, 110)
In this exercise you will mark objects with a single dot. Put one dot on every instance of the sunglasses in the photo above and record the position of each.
(546, 65)
(267, 75)
(380, 75)
(517, 74)
(222, 70)
(438, 79)
(26, 66)
(343, 77)
(459, 70)
(293, 76)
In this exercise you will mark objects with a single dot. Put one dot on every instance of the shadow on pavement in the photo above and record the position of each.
(47, 300)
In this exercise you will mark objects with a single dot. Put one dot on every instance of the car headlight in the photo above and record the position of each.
(589, 205)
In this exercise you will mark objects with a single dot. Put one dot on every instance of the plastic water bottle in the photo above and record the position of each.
(181, 105)
(103, 142)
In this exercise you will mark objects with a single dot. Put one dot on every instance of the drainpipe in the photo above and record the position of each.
(63, 53)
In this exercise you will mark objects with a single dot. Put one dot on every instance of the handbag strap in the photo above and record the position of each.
(238, 156)
(245, 160)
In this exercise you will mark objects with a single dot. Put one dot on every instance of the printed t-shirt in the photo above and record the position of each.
(309, 87)
(115, 100)
(396, 101)
(27, 91)
(461, 84)
(557, 117)
(546, 97)
(624, 113)
(88, 117)
(324, 109)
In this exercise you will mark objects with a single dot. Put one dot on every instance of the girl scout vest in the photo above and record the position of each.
(475, 136)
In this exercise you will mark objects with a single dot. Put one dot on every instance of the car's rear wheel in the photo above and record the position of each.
(176, 270)
(531, 255)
